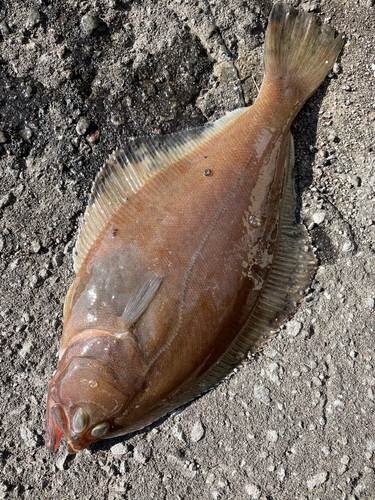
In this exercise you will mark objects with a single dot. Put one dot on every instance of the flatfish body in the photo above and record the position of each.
(189, 255)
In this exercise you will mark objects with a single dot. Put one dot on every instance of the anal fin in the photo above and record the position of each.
(293, 267)
(292, 271)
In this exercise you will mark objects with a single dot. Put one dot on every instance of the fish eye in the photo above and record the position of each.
(80, 420)
(99, 430)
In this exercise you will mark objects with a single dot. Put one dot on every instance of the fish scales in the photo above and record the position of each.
(189, 255)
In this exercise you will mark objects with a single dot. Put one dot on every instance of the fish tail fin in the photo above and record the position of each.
(299, 52)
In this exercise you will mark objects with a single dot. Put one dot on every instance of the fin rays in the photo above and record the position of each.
(129, 169)
(140, 300)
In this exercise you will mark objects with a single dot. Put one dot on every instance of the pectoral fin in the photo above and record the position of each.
(140, 300)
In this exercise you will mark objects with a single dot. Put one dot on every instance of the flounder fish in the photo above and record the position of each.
(189, 255)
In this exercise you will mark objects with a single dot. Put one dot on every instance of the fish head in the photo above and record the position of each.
(86, 395)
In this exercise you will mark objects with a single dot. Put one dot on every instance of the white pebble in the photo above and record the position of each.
(318, 217)
(253, 491)
(272, 436)
(317, 480)
(262, 394)
(119, 449)
(197, 432)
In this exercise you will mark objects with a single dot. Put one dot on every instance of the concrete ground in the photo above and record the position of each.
(78, 79)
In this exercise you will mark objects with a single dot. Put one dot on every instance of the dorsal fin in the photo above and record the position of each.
(129, 169)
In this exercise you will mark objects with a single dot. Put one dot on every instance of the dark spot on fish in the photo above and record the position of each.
(207, 172)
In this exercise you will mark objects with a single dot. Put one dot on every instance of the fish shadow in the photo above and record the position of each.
(106, 445)
(307, 155)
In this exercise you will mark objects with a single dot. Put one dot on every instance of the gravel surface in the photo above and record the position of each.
(78, 79)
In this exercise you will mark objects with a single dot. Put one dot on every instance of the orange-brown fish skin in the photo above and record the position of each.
(199, 249)
(212, 240)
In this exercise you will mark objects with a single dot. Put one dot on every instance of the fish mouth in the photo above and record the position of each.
(54, 431)
(53, 436)
(57, 426)
(71, 449)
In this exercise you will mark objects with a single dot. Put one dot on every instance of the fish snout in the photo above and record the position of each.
(76, 429)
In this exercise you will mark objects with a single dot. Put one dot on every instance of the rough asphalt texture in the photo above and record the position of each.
(78, 79)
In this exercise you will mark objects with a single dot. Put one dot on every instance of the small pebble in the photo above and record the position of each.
(139, 456)
(317, 480)
(119, 449)
(117, 119)
(345, 460)
(316, 381)
(25, 349)
(28, 91)
(7, 199)
(94, 137)
(3, 137)
(142, 454)
(121, 487)
(35, 280)
(35, 246)
(197, 432)
(367, 3)
(4, 28)
(69, 74)
(332, 136)
(370, 303)
(262, 394)
(318, 217)
(58, 259)
(272, 372)
(253, 491)
(82, 126)
(327, 115)
(272, 436)
(62, 51)
(178, 433)
(293, 328)
(89, 23)
(28, 437)
(281, 474)
(341, 469)
(338, 403)
(34, 18)
(60, 462)
(354, 180)
(347, 247)
(25, 133)
(322, 153)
